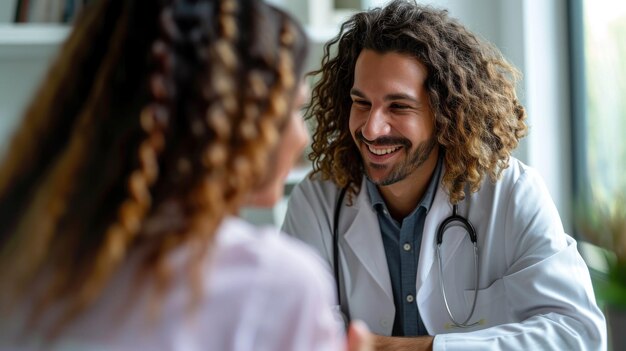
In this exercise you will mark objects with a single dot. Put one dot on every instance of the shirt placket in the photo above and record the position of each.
(408, 271)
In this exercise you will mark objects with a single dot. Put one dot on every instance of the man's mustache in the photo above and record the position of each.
(384, 141)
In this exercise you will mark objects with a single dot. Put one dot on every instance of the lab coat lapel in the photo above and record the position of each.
(364, 239)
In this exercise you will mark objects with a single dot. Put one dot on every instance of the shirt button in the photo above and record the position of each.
(410, 298)
(383, 322)
(406, 247)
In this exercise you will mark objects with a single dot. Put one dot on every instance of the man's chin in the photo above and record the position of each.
(386, 178)
(376, 177)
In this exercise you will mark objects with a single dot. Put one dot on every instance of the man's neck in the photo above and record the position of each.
(402, 197)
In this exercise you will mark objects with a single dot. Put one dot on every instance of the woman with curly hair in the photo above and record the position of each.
(442, 234)
(120, 191)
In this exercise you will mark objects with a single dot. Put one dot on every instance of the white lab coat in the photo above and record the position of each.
(535, 290)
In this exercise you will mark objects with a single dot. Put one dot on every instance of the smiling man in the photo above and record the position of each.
(435, 232)
(393, 127)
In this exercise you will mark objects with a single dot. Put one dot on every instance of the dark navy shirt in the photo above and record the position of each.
(402, 242)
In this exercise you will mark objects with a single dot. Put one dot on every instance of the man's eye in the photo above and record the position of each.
(399, 106)
(361, 102)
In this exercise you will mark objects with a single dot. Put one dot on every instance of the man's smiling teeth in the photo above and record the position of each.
(383, 151)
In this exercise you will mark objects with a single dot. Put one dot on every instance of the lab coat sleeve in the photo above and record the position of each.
(547, 284)
(308, 219)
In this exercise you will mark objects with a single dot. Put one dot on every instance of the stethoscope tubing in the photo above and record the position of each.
(471, 232)
(443, 289)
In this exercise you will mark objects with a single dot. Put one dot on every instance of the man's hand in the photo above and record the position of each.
(359, 337)
(392, 343)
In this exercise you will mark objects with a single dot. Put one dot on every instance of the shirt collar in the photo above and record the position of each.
(427, 199)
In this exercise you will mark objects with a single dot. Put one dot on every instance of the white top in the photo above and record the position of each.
(265, 292)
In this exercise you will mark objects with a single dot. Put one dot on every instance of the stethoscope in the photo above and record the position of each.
(454, 220)
(457, 219)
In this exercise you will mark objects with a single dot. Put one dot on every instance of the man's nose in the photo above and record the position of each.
(377, 125)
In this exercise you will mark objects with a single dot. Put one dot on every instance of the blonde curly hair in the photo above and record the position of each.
(471, 88)
(153, 124)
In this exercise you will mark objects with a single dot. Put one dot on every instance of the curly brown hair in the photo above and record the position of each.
(471, 87)
(152, 125)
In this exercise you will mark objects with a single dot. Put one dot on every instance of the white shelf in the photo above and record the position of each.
(23, 41)
(32, 34)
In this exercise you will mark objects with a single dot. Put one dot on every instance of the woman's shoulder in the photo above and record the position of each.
(270, 256)
(262, 283)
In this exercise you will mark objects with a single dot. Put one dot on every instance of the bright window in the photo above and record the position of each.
(602, 125)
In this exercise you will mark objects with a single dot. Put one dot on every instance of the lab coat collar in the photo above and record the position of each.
(366, 244)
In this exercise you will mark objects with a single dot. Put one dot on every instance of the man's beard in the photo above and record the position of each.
(402, 170)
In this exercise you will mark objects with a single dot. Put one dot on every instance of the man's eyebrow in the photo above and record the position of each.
(357, 92)
(400, 96)
(390, 97)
